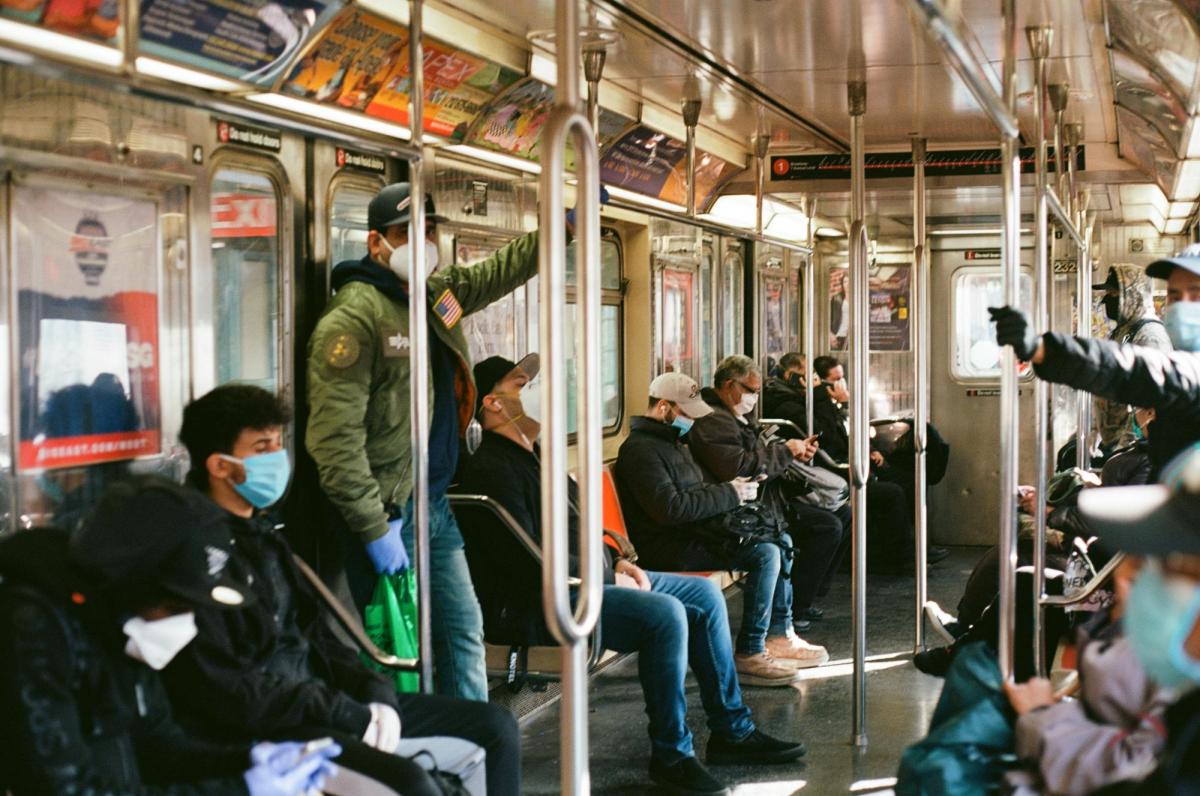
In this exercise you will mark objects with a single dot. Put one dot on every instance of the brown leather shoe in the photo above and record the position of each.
(763, 670)
(791, 650)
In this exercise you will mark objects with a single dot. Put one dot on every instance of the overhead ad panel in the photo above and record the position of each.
(251, 40)
(90, 19)
(655, 164)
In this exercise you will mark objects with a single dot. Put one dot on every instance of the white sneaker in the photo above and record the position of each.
(791, 650)
(939, 620)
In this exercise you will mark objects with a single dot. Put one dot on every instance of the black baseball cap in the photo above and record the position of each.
(1188, 259)
(1110, 283)
(148, 530)
(494, 370)
(392, 206)
(1157, 519)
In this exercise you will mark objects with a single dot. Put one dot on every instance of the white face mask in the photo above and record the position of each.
(399, 261)
(156, 643)
(747, 404)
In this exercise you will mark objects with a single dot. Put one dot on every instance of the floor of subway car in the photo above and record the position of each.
(815, 710)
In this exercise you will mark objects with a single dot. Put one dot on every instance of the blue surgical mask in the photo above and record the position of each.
(684, 424)
(1158, 619)
(1139, 433)
(1182, 320)
(267, 476)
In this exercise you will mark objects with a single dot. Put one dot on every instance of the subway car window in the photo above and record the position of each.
(976, 355)
(88, 295)
(706, 333)
(729, 303)
(493, 330)
(678, 321)
(348, 221)
(245, 253)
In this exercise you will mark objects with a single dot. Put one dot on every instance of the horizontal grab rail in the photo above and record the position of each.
(1063, 217)
(351, 625)
(1085, 594)
(508, 521)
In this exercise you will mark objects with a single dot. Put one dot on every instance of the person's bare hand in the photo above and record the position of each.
(630, 570)
(1031, 695)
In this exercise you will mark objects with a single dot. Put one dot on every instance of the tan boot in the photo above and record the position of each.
(761, 669)
(793, 651)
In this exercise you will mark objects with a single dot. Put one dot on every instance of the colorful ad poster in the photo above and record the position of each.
(513, 124)
(87, 295)
(654, 164)
(362, 63)
(89, 19)
(888, 311)
(251, 40)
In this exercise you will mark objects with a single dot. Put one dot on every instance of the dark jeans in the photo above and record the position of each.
(889, 521)
(681, 621)
(988, 627)
(984, 582)
(491, 727)
(765, 586)
(820, 539)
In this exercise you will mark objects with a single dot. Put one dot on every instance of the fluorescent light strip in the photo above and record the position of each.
(330, 114)
(642, 199)
(497, 158)
(181, 74)
(60, 45)
(966, 233)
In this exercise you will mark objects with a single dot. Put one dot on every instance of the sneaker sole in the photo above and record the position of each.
(803, 663)
(776, 758)
(935, 624)
(767, 682)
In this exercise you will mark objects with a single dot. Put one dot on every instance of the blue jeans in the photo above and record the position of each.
(767, 591)
(460, 668)
(680, 621)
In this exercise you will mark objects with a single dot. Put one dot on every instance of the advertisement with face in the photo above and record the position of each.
(87, 298)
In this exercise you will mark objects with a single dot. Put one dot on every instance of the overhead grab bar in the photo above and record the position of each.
(1090, 588)
(1061, 214)
(968, 67)
(418, 333)
(570, 627)
(508, 521)
(350, 624)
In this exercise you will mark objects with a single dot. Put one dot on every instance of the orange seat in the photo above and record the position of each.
(614, 520)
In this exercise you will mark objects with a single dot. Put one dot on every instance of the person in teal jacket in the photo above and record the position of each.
(359, 434)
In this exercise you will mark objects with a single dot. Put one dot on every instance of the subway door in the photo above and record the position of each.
(965, 389)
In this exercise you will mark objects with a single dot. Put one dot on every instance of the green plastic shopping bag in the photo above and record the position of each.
(391, 623)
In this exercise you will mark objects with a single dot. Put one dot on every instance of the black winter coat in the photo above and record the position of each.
(728, 448)
(830, 422)
(508, 580)
(1141, 377)
(663, 493)
(77, 715)
(782, 400)
(275, 665)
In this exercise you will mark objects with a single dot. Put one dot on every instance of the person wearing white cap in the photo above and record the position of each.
(1169, 383)
(670, 511)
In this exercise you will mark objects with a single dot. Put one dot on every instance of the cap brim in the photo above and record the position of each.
(1161, 269)
(695, 408)
(1143, 520)
(1103, 286)
(528, 365)
(435, 218)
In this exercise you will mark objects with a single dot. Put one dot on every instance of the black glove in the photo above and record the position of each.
(1012, 328)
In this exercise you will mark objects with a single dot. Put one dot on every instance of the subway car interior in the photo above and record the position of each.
(853, 179)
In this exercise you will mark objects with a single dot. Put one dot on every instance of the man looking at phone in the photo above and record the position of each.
(727, 445)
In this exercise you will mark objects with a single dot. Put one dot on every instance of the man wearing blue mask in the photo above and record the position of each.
(1162, 616)
(275, 668)
(1168, 383)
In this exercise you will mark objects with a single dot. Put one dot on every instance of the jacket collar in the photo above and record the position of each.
(712, 399)
(649, 426)
(368, 271)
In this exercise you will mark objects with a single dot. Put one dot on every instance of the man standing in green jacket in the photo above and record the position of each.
(359, 381)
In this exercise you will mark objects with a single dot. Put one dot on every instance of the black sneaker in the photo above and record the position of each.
(935, 662)
(935, 554)
(757, 748)
(686, 776)
(812, 614)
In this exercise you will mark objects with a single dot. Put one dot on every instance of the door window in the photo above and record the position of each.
(246, 258)
(348, 222)
(976, 355)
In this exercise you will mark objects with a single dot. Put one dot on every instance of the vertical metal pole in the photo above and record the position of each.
(593, 70)
(571, 627)
(920, 315)
(131, 31)
(1083, 290)
(1040, 40)
(691, 117)
(810, 321)
(761, 143)
(860, 454)
(1060, 94)
(418, 332)
(1009, 407)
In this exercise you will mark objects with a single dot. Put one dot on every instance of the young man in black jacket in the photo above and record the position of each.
(671, 621)
(670, 510)
(1168, 383)
(276, 667)
(85, 621)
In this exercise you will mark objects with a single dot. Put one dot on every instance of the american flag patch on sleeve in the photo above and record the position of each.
(448, 309)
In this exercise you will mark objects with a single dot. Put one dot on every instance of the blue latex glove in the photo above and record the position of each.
(387, 552)
(604, 197)
(279, 769)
